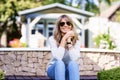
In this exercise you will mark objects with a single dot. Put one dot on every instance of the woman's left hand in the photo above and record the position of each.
(70, 34)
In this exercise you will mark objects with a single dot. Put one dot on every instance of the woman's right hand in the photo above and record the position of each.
(68, 35)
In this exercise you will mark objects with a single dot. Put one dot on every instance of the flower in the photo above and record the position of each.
(16, 43)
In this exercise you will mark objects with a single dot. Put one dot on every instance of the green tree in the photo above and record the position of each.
(8, 12)
(46, 2)
(89, 5)
(92, 7)
(118, 16)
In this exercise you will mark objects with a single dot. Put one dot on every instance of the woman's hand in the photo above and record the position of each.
(66, 37)
(68, 34)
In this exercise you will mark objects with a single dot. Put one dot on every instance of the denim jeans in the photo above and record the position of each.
(60, 71)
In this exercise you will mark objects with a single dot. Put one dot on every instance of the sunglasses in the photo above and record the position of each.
(63, 23)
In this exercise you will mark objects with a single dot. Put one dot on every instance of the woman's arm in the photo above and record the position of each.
(57, 52)
(74, 51)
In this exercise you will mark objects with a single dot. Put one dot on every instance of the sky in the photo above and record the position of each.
(96, 2)
(74, 2)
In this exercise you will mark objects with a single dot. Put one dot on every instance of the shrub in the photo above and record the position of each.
(2, 76)
(105, 41)
(111, 74)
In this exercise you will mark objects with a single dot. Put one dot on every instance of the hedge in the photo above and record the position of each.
(111, 74)
(2, 75)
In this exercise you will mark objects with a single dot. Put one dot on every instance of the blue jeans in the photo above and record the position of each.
(60, 71)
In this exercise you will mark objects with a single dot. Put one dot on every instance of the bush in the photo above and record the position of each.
(2, 76)
(105, 41)
(111, 74)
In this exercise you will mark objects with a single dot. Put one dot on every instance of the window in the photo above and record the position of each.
(50, 28)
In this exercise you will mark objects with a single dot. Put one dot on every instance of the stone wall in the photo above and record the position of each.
(26, 61)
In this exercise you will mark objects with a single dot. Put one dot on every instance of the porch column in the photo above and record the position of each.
(28, 31)
(83, 32)
(33, 39)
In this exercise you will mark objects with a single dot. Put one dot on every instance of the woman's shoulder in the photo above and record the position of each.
(51, 37)
(79, 37)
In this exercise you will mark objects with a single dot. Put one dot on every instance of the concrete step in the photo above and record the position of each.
(14, 77)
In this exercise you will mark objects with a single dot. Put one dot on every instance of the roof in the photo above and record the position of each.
(55, 5)
(108, 13)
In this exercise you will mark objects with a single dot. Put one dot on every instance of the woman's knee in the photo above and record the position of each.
(59, 67)
(73, 64)
(60, 63)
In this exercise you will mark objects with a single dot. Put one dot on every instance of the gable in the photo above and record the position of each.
(56, 8)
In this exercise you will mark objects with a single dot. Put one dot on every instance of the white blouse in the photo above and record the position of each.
(60, 53)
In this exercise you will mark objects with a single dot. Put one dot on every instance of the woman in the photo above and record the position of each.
(65, 49)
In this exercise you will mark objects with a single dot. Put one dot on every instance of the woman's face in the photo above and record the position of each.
(65, 26)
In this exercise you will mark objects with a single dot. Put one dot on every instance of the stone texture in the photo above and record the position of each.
(35, 62)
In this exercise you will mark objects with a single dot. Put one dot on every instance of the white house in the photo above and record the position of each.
(39, 22)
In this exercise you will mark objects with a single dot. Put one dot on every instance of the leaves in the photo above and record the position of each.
(105, 40)
(2, 75)
(46, 2)
(9, 7)
(118, 16)
(110, 74)
(8, 12)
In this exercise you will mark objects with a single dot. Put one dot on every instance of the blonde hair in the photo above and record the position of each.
(57, 33)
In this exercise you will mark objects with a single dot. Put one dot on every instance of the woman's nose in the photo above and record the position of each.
(65, 24)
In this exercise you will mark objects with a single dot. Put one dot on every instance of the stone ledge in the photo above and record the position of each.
(33, 61)
(48, 49)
